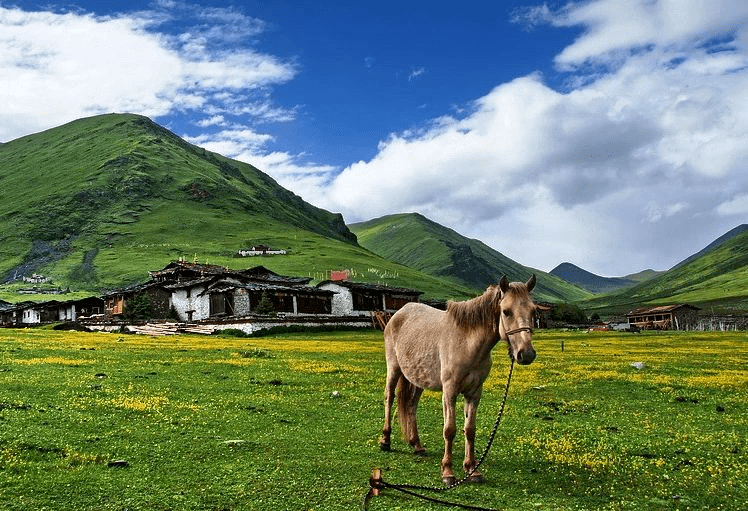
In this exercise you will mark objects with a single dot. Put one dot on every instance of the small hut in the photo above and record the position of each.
(679, 316)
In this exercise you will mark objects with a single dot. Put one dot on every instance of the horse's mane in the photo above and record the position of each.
(482, 311)
(477, 312)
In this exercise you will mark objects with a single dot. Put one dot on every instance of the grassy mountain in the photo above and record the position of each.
(595, 283)
(642, 275)
(714, 244)
(98, 202)
(714, 279)
(417, 242)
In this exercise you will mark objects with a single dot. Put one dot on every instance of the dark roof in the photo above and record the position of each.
(194, 282)
(363, 286)
(132, 289)
(221, 283)
(660, 309)
(181, 267)
(262, 273)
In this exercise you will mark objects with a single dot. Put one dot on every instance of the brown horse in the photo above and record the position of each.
(451, 351)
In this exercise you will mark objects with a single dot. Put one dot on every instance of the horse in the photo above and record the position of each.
(450, 350)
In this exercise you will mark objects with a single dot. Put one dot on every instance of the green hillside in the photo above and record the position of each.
(715, 280)
(98, 202)
(417, 242)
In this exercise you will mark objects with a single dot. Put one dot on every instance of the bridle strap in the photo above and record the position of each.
(518, 330)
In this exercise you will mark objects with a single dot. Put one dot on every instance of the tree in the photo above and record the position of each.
(265, 306)
(568, 313)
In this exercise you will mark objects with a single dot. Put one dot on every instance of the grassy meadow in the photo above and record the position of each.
(291, 422)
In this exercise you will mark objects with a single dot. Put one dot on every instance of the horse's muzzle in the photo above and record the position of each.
(525, 356)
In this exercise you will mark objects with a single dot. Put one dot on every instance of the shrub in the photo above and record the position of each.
(139, 307)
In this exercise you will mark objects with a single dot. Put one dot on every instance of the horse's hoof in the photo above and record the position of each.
(449, 480)
(385, 446)
(420, 451)
(477, 477)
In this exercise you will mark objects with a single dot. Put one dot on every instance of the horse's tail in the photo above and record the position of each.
(407, 402)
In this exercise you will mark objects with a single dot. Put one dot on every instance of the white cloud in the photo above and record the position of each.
(290, 171)
(56, 67)
(614, 26)
(231, 142)
(415, 73)
(215, 120)
(629, 157)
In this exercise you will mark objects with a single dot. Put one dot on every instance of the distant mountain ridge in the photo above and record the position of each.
(589, 281)
(418, 242)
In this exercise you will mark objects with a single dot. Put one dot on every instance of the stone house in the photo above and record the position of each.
(225, 296)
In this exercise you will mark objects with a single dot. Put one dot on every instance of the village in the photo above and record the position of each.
(203, 298)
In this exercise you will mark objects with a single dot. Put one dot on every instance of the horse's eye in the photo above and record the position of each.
(507, 313)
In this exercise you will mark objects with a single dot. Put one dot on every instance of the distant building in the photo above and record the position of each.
(32, 313)
(36, 278)
(664, 317)
(259, 250)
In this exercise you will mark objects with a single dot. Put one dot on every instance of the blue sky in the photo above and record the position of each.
(607, 133)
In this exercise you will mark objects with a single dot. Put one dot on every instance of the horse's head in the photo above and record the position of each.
(517, 313)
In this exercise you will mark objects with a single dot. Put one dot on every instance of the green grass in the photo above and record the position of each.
(251, 424)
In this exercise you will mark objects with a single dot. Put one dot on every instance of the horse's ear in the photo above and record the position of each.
(531, 283)
(504, 284)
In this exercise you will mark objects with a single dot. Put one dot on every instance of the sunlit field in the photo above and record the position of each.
(613, 422)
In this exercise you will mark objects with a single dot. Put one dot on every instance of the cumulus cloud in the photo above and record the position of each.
(59, 66)
(738, 205)
(632, 154)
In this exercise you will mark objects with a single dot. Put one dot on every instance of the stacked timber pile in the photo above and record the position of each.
(199, 329)
(156, 329)
(159, 329)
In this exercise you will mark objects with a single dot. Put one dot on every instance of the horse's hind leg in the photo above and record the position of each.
(415, 440)
(393, 375)
(449, 399)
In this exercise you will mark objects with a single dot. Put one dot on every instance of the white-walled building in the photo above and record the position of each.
(360, 299)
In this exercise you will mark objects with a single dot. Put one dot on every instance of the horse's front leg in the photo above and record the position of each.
(449, 398)
(471, 409)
